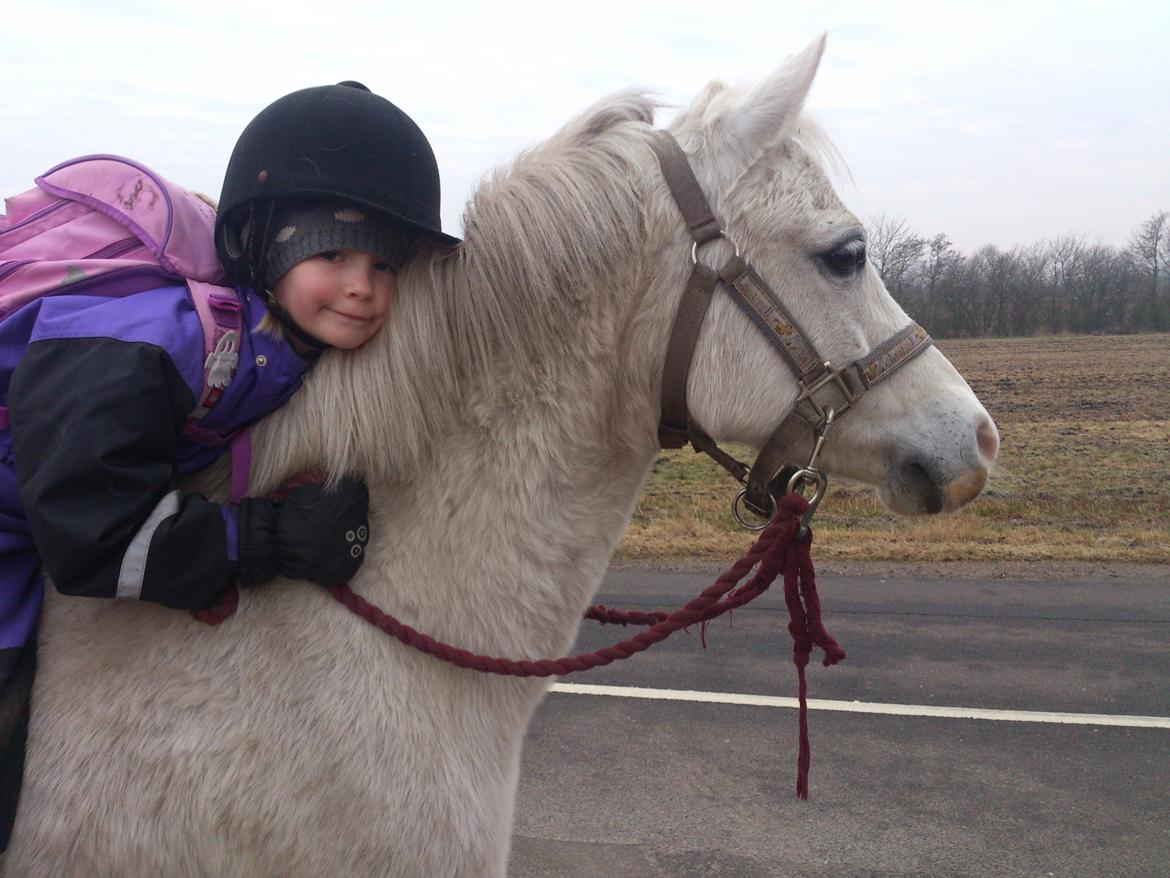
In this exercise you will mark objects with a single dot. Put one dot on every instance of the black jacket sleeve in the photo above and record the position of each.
(95, 427)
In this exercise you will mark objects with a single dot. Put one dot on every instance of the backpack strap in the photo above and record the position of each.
(219, 312)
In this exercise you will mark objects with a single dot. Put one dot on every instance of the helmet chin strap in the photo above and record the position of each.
(253, 257)
(285, 319)
(259, 256)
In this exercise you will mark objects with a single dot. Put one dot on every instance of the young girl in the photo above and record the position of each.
(325, 197)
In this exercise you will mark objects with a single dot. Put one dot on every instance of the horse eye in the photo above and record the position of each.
(846, 259)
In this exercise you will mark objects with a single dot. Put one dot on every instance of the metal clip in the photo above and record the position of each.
(810, 475)
(796, 486)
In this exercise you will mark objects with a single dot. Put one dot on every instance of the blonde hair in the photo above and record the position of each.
(270, 326)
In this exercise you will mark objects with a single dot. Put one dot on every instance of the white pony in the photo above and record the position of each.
(505, 421)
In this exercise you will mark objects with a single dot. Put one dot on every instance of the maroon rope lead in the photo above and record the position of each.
(806, 628)
(711, 602)
(776, 549)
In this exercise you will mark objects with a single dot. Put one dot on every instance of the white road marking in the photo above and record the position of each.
(1019, 716)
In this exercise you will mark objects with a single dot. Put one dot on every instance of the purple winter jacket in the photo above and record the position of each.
(98, 391)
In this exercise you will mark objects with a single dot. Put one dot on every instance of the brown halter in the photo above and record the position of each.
(827, 393)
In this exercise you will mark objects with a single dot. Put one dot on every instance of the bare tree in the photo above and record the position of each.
(1064, 274)
(893, 249)
(1148, 249)
(971, 308)
(1001, 276)
(939, 258)
(1097, 299)
(1031, 263)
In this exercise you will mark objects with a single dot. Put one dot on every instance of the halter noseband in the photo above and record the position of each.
(827, 393)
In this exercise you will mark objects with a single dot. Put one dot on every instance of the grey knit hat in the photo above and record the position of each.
(304, 229)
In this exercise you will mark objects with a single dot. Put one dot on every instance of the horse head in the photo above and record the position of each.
(921, 437)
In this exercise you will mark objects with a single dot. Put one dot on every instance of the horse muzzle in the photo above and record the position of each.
(927, 482)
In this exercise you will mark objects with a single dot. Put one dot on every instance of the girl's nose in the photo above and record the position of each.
(360, 284)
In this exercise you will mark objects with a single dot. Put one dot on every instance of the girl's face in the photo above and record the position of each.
(340, 297)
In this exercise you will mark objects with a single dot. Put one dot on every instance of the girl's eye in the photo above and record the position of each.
(846, 259)
(330, 255)
(383, 267)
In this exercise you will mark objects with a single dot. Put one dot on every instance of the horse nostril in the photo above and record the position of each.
(916, 479)
(988, 439)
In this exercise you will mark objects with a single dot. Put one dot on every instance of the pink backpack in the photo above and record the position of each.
(106, 225)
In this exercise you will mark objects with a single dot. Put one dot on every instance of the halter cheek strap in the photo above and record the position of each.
(823, 387)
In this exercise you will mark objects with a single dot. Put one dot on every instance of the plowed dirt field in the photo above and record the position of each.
(1083, 474)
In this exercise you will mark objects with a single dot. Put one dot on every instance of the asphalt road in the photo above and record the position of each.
(616, 786)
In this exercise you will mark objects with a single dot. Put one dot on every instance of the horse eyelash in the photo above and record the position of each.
(846, 259)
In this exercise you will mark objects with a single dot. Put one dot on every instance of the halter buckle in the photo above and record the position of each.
(839, 407)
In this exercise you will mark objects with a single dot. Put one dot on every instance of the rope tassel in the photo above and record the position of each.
(806, 628)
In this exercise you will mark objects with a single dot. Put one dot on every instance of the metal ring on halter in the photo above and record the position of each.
(740, 519)
(722, 234)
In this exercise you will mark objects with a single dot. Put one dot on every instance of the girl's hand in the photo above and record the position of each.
(314, 534)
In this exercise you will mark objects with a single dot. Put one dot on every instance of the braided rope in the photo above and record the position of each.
(777, 549)
(711, 602)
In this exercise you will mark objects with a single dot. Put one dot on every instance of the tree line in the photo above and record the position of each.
(1063, 285)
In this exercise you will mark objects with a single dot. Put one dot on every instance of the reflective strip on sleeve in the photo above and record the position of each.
(134, 561)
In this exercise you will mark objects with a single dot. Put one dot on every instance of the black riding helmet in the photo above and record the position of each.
(330, 142)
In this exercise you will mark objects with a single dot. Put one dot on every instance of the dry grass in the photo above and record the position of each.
(1083, 473)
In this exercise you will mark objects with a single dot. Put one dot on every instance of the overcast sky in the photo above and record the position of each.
(994, 122)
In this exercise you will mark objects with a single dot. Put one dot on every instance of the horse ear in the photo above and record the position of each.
(770, 110)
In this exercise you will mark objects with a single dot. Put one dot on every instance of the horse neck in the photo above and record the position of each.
(496, 535)
(512, 522)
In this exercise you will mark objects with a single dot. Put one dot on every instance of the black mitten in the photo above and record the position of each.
(311, 534)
